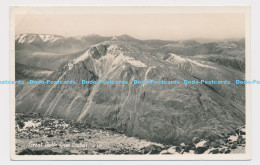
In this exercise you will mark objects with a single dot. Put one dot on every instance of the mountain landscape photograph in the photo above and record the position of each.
(131, 118)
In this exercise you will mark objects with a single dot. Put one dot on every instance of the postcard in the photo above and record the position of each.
(130, 82)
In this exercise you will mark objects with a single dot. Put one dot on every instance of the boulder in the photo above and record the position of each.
(227, 151)
(43, 152)
(66, 152)
(240, 139)
(214, 138)
(214, 144)
(225, 135)
(222, 150)
(178, 149)
(134, 152)
(182, 145)
(26, 152)
(234, 147)
(200, 150)
(50, 135)
(222, 141)
(152, 149)
(75, 152)
(196, 140)
(215, 151)
(101, 150)
(187, 148)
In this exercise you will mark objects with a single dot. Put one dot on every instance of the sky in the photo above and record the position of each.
(165, 26)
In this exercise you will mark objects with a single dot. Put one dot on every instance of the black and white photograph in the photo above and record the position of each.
(130, 83)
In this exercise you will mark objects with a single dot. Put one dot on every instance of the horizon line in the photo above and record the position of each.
(95, 34)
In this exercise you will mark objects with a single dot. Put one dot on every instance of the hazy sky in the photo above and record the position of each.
(141, 26)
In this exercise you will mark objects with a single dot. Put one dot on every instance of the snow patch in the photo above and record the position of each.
(70, 65)
(243, 130)
(178, 59)
(22, 38)
(199, 64)
(233, 138)
(48, 37)
(121, 58)
(172, 150)
(31, 124)
(134, 62)
(29, 38)
(17, 36)
(167, 45)
(181, 60)
(82, 57)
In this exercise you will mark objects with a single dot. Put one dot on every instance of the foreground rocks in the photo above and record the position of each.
(216, 144)
(46, 135)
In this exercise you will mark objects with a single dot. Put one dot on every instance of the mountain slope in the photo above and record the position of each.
(25, 72)
(163, 113)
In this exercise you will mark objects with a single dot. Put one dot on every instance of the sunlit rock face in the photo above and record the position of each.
(161, 113)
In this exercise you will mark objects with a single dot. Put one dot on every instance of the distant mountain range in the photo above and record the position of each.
(162, 113)
(50, 42)
(47, 42)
